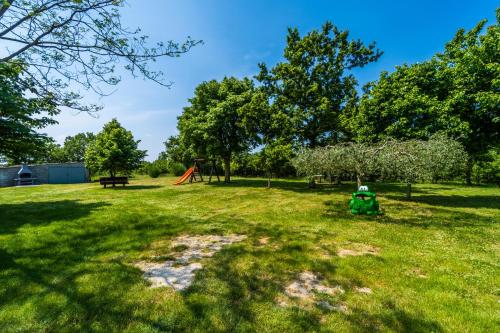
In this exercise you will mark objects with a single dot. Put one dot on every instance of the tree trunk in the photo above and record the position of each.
(227, 169)
(408, 190)
(468, 171)
(359, 180)
(269, 180)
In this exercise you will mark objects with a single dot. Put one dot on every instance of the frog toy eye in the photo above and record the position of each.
(363, 188)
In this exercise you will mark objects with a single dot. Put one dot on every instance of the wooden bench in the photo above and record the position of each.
(113, 181)
(319, 178)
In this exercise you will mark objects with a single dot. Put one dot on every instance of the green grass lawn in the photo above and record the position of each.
(67, 254)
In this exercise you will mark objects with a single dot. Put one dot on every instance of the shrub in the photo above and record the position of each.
(143, 168)
(162, 165)
(154, 171)
(176, 168)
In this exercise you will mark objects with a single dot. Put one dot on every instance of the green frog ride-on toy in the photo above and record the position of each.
(364, 202)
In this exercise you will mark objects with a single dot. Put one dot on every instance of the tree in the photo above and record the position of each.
(177, 151)
(275, 134)
(444, 158)
(335, 161)
(455, 93)
(404, 160)
(220, 121)
(488, 169)
(275, 155)
(63, 42)
(471, 61)
(408, 161)
(313, 85)
(21, 114)
(52, 153)
(114, 150)
(75, 146)
(408, 103)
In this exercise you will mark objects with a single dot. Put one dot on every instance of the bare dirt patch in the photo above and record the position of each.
(263, 240)
(306, 289)
(358, 250)
(307, 284)
(178, 273)
(363, 290)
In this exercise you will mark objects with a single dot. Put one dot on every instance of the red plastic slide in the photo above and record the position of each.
(184, 177)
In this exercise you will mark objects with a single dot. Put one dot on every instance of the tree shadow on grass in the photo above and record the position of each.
(438, 218)
(79, 278)
(433, 217)
(287, 185)
(393, 319)
(133, 187)
(457, 201)
(237, 292)
(389, 190)
(15, 215)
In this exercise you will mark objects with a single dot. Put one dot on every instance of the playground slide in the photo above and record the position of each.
(184, 177)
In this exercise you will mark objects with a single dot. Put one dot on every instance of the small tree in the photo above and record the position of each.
(274, 156)
(114, 150)
(305, 162)
(414, 160)
(363, 159)
(444, 158)
(405, 160)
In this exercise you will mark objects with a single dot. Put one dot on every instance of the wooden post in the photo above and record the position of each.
(212, 170)
(408, 190)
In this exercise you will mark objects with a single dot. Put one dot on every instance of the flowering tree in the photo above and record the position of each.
(407, 161)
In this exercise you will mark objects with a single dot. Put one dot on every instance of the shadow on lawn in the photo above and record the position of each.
(389, 190)
(133, 187)
(394, 319)
(457, 201)
(239, 292)
(412, 216)
(15, 215)
(453, 220)
(294, 185)
(78, 278)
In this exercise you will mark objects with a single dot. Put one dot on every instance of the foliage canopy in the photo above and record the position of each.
(114, 150)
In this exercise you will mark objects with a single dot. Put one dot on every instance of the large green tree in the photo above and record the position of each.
(220, 120)
(472, 60)
(314, 83)
(114, 150)
(456, 92)
(408, 103)
(22, 114)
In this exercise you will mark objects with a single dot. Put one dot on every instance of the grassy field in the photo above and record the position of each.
(67, 254)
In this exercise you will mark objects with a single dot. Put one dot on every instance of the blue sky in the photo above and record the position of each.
(238, 35)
